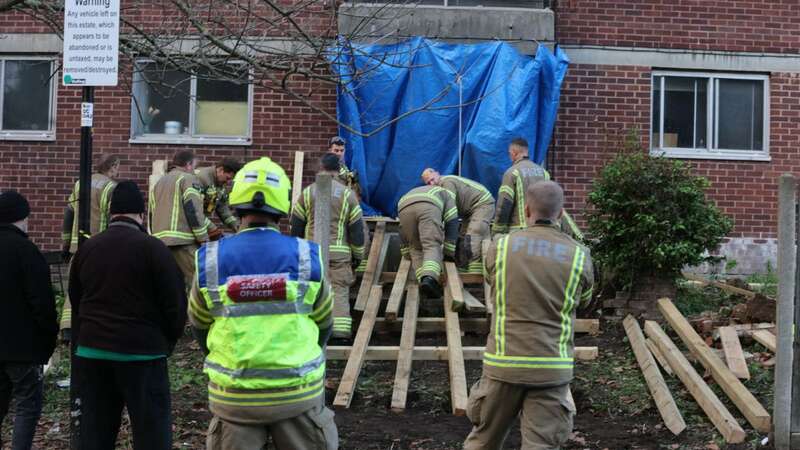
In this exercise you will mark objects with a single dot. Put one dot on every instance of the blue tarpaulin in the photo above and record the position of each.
(490, 91)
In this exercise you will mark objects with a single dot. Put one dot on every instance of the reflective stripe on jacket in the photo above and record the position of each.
(516, 180)
(345, 215)
(538, 276)
(102, 187)
(264, 298)
(176, 210)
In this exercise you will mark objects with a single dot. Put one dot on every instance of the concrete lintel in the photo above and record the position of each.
(364, 21)
(30, 43)
(683, 59)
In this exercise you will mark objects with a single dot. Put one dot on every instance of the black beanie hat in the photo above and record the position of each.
(127, 199)
(13, 207)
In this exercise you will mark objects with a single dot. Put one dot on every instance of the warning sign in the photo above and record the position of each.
(91, 39)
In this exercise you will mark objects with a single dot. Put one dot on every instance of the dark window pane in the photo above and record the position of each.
(26, 95)
(685, 112)
(222, 108)
(161, 100)
(741, 115)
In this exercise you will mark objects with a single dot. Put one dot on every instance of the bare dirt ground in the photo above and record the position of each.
(615, 410)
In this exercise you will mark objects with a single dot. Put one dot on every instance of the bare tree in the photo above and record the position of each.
(292, 47)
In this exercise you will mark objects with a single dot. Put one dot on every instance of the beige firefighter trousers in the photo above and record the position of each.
(422, 235)
(545, 422)
(478, 227)
(342, 277)
(312, 430)
(184, 256)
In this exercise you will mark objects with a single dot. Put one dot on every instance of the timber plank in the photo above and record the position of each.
(718, 284)
(659, 357)
(297, 176)
(396, 295)
(347, 385)
(431, 353)
(454, 285)
(758, 417)
(705, 397)
(471, 303)
(734, 355)
(405, 354)
(655, 382)
(767, 339)
(373, 260)
(468, 325)
(455, 357)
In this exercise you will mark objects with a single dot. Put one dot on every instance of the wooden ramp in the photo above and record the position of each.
(404, 296)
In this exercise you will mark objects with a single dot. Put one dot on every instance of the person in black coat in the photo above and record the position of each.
(128, 311)
(28, 324)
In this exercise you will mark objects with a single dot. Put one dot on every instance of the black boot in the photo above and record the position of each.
(429, 287)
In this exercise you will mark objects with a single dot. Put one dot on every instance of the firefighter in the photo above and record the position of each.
(215, 198)
(428, 223)
(349, 178)
(102, 185)
(346, 249)
(475, 208)
(537, 276)
(261, 309)
(176, 212)
(510, 210)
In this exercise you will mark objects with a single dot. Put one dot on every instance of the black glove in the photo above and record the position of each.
(354, 263)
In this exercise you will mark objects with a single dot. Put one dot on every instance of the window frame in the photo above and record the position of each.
(30, 135)
(712, 118)
(192, 137)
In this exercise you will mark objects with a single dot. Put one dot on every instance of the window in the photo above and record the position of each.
(710, 115)
(172, 106)
(27, 99)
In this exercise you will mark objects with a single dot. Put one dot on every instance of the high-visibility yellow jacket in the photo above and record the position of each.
(538, 276)
(265, 302)
(102, 187)
(176, 210)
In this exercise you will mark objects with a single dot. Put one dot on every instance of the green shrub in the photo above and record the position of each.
(649, 216)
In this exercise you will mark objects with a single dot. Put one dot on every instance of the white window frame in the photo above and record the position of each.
(192, 138)
(712, 118)
(30, 135)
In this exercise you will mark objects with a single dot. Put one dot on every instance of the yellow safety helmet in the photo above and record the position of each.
(261, 186)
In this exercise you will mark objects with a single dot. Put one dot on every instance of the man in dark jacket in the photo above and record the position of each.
(28, 325)
(129, 309)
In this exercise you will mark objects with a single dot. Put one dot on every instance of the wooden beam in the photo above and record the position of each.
(659, 357)
(396, 296)
(347, 385)
(431, 353)
(405, 354)
(727, 425)
(455, 356)
(454, 286)
(718, 284)
(655, 382)
(297, 176)
(734, 355)
(758, 417)
(487, 289)
(471, 303)
(322, 214)
(745, 329)
(374, 258)
(766, 339)
(466, 278)
(428, 325)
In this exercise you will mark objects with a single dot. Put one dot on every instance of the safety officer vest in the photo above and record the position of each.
(260, 287)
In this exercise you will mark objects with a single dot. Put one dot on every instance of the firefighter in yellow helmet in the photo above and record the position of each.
(261, 309)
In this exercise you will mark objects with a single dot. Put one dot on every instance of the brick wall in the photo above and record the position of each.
(730, 25)
(46, 171)
(600, 104)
